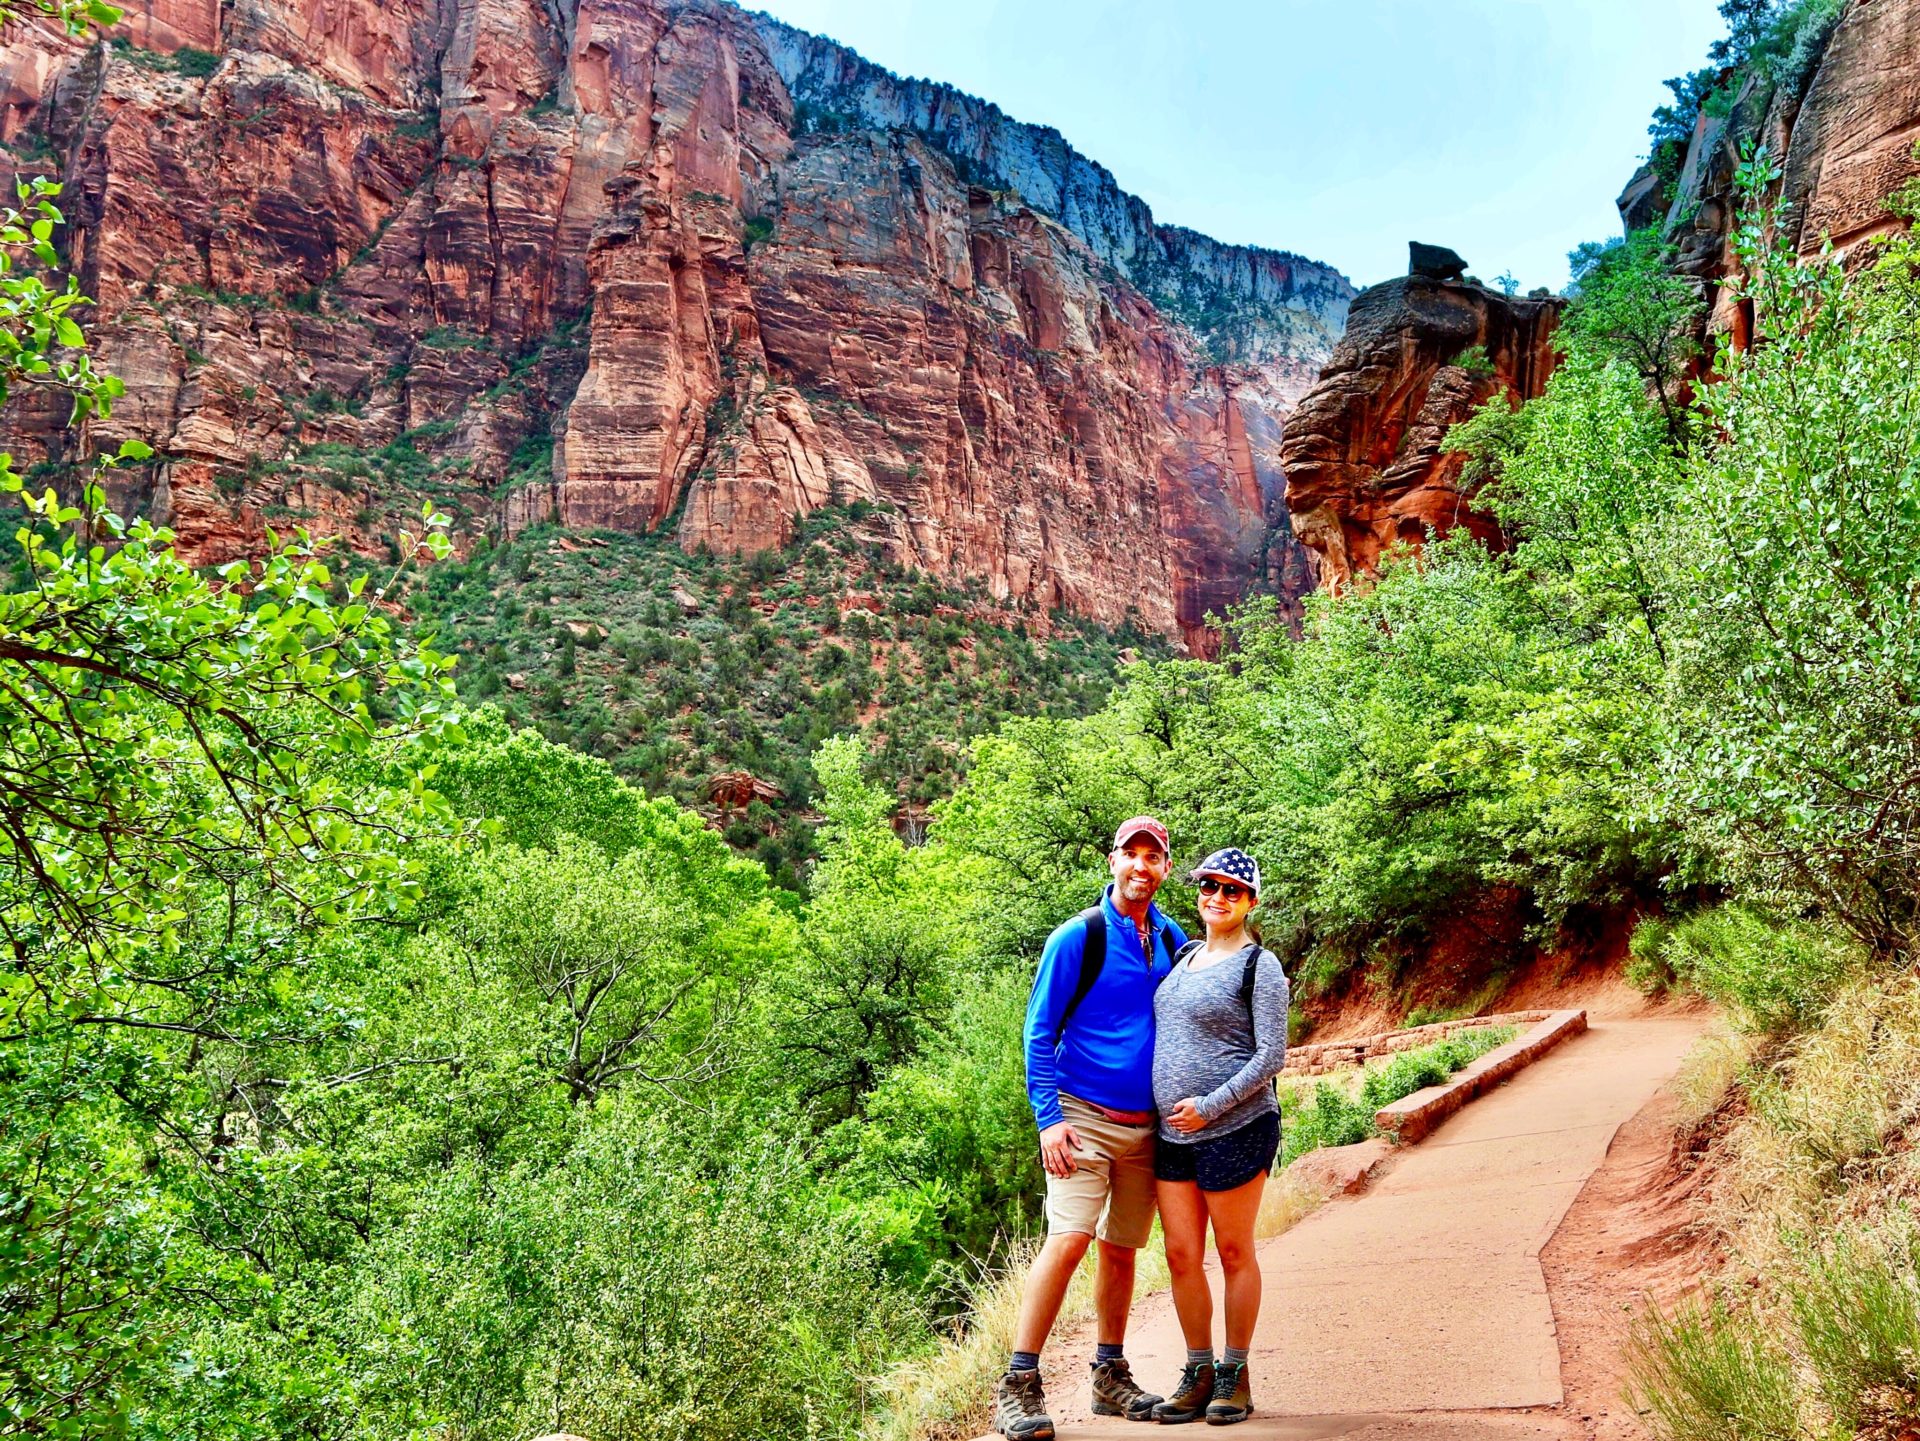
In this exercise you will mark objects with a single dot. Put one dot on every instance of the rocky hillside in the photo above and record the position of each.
(1836, 109)
(642, 264)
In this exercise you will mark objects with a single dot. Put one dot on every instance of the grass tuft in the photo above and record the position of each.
(1859, 1319)
(1708, 1075)
(1704, 1373)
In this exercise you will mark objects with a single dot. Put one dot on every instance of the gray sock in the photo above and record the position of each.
(1200, 1358)
(1235, 1356)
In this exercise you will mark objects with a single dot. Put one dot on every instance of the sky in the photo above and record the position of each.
(1340, 129)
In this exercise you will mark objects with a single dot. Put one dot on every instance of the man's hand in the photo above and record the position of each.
(1057, 1145)
(1185, 1116)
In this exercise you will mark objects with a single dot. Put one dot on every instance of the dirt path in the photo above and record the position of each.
(1420, 1310)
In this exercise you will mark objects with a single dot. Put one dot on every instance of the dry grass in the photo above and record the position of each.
(1708, 1076)
(1814, 1193)
(944, 1395)
(1288, 1201)
(1828, 1137)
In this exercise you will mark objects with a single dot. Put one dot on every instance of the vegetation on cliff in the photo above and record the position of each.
(1771, 46)
(371, 1068)
(679, 669)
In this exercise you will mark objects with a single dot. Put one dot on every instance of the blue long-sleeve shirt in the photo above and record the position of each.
(1106, 1053)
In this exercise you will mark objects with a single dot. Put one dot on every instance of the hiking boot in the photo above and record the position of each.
(1232, 1395)
(1020, 1408)
(1189, 1399)
(1116, 1393)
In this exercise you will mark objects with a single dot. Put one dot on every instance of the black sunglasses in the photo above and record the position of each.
(1209, 885)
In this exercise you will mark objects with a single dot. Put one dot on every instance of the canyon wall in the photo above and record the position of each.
(641, 264)
(1839, 122)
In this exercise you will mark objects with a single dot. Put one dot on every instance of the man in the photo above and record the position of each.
(1089, 1040)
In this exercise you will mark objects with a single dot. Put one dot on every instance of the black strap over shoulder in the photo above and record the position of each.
(1249, 975)
(1093, 958)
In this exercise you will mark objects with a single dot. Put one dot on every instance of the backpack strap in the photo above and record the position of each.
(1093, 959)
(1248, 975)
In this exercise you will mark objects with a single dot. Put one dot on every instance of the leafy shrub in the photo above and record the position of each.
(1648, 969)
(621, 1291)
(1412, 1071)
(1330, 1118)
(1475, 360)
(1773, 974)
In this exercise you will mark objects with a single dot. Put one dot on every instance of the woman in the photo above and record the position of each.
(1220, 1036)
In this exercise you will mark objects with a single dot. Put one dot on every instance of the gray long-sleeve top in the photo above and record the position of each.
(1208, 1044)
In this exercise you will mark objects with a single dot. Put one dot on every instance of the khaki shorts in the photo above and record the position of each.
(1110, 1193)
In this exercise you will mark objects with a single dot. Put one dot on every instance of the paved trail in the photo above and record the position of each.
(1418, 1311)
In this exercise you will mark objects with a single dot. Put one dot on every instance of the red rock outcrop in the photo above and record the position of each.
(1364, 469)
(607, 265)
(1362, 451)
(1841, 129)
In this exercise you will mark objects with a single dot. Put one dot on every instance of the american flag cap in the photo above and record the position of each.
(1231, 864)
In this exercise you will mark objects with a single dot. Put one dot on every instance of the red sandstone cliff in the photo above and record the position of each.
(600, 264)
(1838, 121)
(1362, 456)
(1362, 450)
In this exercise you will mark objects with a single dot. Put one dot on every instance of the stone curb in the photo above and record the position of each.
(1319, 1058)
(1414, 1117)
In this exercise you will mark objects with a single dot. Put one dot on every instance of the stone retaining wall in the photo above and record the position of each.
(1412, 1117)
(1317, 1060)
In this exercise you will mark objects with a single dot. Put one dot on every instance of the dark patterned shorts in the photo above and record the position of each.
(1225, 1161)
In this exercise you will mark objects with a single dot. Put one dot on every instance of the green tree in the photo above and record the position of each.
(1792, 569)
(1629, 305)
(880, 948)
(627, 967)
(187, 821)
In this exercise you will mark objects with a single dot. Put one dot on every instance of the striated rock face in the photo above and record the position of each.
(1850, 140)
(1362, 450)
(1288, 308)
(638, 263)
(1841, 130)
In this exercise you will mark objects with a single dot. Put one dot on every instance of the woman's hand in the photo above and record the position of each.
(1185, 1116)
